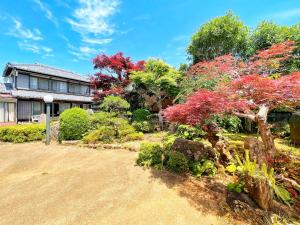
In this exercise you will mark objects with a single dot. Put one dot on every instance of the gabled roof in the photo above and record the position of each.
(47, 70)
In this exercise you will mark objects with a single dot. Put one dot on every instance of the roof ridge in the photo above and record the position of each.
(47, 66)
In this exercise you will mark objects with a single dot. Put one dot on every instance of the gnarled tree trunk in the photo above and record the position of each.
(264, 131)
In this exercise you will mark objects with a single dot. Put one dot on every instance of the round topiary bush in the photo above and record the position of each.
(73, 124)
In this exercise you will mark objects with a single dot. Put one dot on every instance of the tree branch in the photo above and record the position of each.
(243, 115)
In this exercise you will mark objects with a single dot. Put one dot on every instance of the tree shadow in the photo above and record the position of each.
(210, 196)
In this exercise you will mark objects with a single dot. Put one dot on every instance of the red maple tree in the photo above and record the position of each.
(114, 74)
(250, 96)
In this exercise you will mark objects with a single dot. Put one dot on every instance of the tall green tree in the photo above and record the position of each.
(269, 33)
(158, 79)
(220, 36)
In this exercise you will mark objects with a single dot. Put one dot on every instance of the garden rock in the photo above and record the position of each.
(295, 128)
(54, 131)
(193, 150)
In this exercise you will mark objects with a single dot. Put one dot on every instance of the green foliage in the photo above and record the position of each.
(237, 187)
(107, 128)
(177, 162)
(220, 36)
(189, 85)
(73, 124)
(262, 173)
(150, 154)
(143, 126)
(189, 132)
(134, 136)
(205, 167)
(103, 134)
(115, 104)
(141, 115)
(101, 119)
(158, 78)
(168, 141)
(230, 123)
(231, 168)
(268, 33)
(22, 133)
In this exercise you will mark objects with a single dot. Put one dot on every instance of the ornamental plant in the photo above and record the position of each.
(113, 75)
(250, 95)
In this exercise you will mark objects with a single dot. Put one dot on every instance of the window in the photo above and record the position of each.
(36, 108)
(54, 85)
(33, 83)
(43, 84)
(7, 112)
(63, 87)
(23, 81)
(85, 90)
(64, 106)
(75, 88)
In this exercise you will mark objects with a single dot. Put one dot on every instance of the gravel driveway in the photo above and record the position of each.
(61, 185)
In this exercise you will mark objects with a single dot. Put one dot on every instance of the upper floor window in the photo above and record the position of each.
(23, 81)
(43, 84)
(33, 83)
(62, 87)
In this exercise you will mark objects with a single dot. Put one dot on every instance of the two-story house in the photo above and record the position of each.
(25, 85)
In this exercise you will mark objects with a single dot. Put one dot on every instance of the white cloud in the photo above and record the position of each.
(48, 13)
(288, 14)
(35, 48)
(91, 17)
(20, 32)
(96, 40)
(82, 52)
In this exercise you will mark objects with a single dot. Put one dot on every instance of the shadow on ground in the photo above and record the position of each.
(210, 196)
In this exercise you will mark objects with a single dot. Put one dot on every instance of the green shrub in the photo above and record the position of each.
(103, 134)
(230, 123)
(189, 132)
(73, 124)
(150, 154)
(177, 162)
(111, 128)
(22, 133)
(205, 167)
(237, 187)
(101, 119)
(141, 115)
(135, 136)
(115, 104)
(143, 126)
(168, 141)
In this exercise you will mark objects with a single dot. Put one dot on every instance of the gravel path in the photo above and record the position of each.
(61, 185)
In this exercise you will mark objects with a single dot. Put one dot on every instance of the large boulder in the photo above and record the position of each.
(295, 128)
(193, 150)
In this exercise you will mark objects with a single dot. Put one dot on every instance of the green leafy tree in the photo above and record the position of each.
(158, 79)
(220, 36)
(115, 104)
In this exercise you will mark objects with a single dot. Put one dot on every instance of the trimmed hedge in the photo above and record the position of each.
(73, 124)
(22, 133)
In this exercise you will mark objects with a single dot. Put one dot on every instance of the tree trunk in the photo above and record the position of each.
(265, 132)
(160, 117)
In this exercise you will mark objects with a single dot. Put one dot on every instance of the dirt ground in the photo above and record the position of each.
(62, 185)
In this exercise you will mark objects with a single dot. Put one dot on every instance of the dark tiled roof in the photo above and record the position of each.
(59, 97)
(48, 70)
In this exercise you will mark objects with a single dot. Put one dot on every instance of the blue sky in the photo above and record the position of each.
(69, 33)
